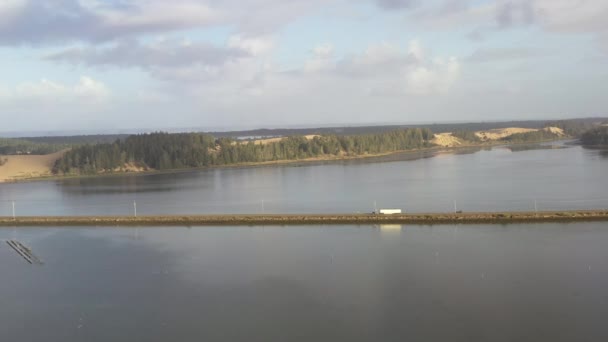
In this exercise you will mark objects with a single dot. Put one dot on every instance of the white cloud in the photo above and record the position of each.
(255, 45)
(256, 90)
(161, 53)
(573, 15)
(438, 77)
(9, 10)
(322, 58)
(382, 69)
(552, 15)
(59, 21)
(323, 51)
(245, 77)
(448, 18)
(48, 105)
(47, 22)
(416, 51)
(86, 91)
(396, 4)
(505, 54)
(383, 53)
(149, 15)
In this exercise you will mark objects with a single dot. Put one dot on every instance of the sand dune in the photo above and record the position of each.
(499, 133)
(446, 140)
(555, 130)
(27, 166)
(273, 140)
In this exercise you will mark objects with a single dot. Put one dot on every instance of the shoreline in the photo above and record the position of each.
(310, 219)
(308, 161)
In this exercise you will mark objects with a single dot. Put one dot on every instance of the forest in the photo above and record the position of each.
(527, 137)
(164, 151)
(21, 146)
(596, 137)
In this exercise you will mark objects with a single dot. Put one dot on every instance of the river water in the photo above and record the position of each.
(532, 282)
(498, 179)
(543, 282)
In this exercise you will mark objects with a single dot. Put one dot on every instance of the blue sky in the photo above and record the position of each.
(92, 65)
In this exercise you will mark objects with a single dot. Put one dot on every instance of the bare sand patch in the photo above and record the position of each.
(446, 140)
(131, 167)
(278, 139)
(27, 166)
(267, 141)
(500, 133)
(555, 130)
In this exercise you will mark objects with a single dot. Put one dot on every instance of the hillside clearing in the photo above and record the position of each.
(446, 140)
(27, 166)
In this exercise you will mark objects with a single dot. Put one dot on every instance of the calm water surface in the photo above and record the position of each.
(489, 180)
(343, 283)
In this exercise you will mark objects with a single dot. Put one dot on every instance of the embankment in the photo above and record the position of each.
(310, 219)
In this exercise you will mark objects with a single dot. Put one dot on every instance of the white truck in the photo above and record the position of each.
(388, 211)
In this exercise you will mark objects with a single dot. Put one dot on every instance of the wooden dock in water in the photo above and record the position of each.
(24, 252)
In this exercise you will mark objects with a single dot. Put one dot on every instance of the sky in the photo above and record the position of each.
(93, 65)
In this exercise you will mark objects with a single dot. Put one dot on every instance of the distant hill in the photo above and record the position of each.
(572, 127)
(77, 139)
(355, 130)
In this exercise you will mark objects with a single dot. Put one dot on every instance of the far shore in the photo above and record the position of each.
(310, 219)
(307, 161)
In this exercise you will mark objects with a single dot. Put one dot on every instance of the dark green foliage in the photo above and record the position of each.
(536, 136)
(575, 127)
(466, 135)
(77, 139)
(163, 151)
(596, 137)
(20, 146)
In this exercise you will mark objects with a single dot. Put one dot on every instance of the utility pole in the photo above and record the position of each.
(134, 209)
(455, 208)
(14, 216)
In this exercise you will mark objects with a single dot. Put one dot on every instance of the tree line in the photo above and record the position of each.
(529, 137)
(466, 135)
(20, 146)
(164, 151)
(596, 137)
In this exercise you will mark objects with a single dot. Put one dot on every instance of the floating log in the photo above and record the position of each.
(24, 251)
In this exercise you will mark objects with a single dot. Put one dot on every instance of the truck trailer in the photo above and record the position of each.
(388, 211)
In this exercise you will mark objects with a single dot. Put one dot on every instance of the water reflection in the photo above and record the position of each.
(534, 147)
(302, 284)
(391, 229)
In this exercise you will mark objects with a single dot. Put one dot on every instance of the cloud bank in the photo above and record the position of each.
(250, 62)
